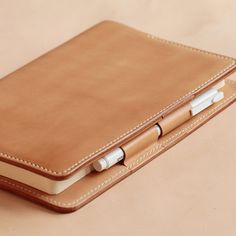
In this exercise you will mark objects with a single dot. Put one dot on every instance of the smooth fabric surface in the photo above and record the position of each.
(185, 192)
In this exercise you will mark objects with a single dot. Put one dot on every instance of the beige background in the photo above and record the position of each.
(184, 192)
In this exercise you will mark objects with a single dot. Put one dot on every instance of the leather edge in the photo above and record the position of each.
(145, 158)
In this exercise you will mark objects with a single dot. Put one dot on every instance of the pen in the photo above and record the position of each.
(168, 123)
(186, 112)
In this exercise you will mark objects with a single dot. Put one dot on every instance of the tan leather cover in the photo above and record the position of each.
(94, 93)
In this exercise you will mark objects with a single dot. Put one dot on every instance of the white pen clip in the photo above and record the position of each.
(205, 100)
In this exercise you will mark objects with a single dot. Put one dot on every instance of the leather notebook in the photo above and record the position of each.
(110, 93)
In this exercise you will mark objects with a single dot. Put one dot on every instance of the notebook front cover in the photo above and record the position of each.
(90, 94)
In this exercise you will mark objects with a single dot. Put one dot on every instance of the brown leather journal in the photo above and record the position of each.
(111, 87)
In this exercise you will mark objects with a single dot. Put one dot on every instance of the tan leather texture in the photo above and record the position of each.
(96, 183)
(96, 92)
(175, 119)
(140, 143)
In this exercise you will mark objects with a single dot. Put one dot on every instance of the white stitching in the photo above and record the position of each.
(153, 37)
(54, 172)
(68, 204)
(174, 137)
(146, 156)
